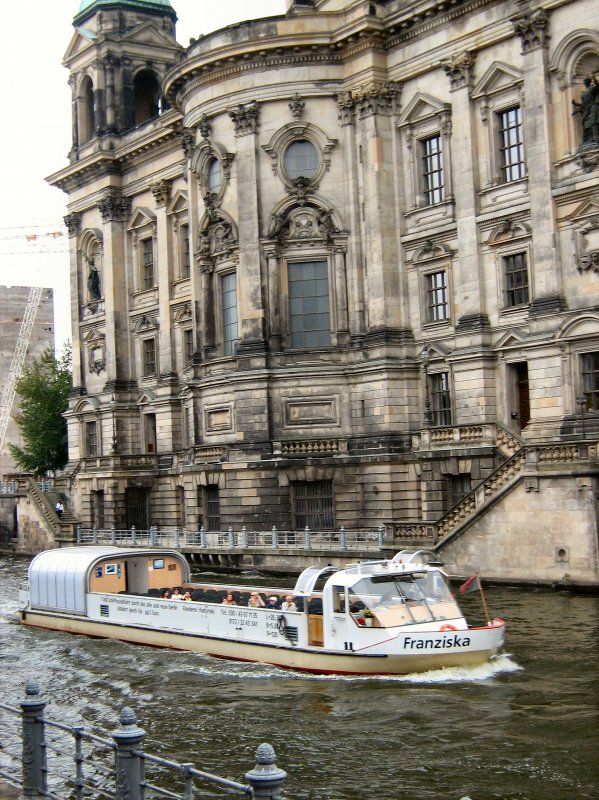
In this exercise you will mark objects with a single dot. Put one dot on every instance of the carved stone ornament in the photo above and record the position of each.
(245, 118)
(372, 98)
(205, 127)
(114, 207)
(459, 70)
(73, 223)
(300, 189)
(303, 223)
(587, 246)
(188, 142)
(533, 29)
(296, 106)
(162, 192)
(95, 343)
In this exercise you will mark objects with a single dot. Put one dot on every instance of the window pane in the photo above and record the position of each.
(149, 357)
(432, 170)
(229, 311)
(441, 398)
(516, 279)
(309, 315)
(313, 505)
(215, 176)
(300, 160)
(185, 259)
(511, 147)
(147, 263)
(590, 380)
(436, 288)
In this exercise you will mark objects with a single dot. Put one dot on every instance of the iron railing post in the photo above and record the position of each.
(275, 538)
(34, 745)
(244, 538)
(202, 537)
(342, 539)
(381, 537)
(231, 538)
(128, 760)
(78, 539)
(113, 534)
(177, 542)
(266, 778)
(307, 539)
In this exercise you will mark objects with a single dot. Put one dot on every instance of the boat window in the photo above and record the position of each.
(339, 599)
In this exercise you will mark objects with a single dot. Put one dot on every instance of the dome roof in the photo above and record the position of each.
(87, 7)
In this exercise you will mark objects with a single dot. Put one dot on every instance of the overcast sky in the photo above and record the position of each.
(36, 130)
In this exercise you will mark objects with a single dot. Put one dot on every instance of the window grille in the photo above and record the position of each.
(313, 505)
(590, 380)
(147, 246)
(516, 279)
(441, 398)
(436, 294)
(229, 311)
(212, 508)
(91, 439)
(459, 487)
(432, 170)
(309, 315)
(149, 357)
(185, 257)
(511, 145)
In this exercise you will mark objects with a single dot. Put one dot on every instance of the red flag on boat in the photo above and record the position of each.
(471, 585)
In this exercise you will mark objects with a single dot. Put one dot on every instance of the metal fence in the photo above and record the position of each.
(50, 759)
(306, 540)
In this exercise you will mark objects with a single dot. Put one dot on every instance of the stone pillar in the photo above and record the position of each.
(129, 771)
(341, 292)
(34, 751)
(274, 304)
(375, 104)
(533, 29)
(164, 256)
(110, 98)
(469, 292)
(249, 279)
(114, 209)
(73, 223)
(74, 113)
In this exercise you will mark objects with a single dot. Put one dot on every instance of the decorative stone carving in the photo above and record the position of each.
(371, 98)
(300, 189)
(188, 142)
(588, 108)
(460, 70)
(162, 192)
(73, 223)
(297, 106)
(245, 118)
(95, 343)
(533, 29)
(587, 246)
(114, 207)
(205, 127)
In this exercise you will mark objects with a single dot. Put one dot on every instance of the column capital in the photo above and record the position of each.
(460, 70)
(533, 29)
(246, 118)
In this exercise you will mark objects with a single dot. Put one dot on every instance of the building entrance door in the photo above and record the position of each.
(137, 508)
(522, 413)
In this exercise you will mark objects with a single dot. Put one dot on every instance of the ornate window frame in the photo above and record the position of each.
(428, 259)
(143, 226)
(499, 89)
(294, 132)
(95, 344)
(178, 216)
(91, 252)
(205, 152)
(424, 117)
(510, 238)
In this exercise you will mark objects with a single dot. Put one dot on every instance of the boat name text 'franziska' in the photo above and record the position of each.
(436, 644)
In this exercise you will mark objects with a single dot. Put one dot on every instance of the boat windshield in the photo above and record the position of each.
(401, 599)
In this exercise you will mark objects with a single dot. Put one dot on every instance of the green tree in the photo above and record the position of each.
(43, 391)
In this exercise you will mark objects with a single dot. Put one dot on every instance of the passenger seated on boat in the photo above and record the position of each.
(243, 598)
(176, 595)
(166, 593)
(288, 604)
(229, 600)
(273, 602)
(256, 601)
(187, 597)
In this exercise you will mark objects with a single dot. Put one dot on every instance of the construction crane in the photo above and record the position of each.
(18, 359)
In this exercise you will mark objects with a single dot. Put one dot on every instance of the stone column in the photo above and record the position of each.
(110, 97)
(274, 303)
(114, 209)
(533, 29)
(375, 105)
(249, 279)
(73, 223)
(166, 355)
(469, 290)
(341, 292)
(74, 112)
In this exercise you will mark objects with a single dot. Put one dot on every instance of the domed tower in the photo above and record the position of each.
(117, 59)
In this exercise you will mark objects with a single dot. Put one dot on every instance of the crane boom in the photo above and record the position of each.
(18, 359)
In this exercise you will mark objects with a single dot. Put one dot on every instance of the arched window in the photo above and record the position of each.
(146, 94)
(86, 117)
(301, 160)
(215, 176)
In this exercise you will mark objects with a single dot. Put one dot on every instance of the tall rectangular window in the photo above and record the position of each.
(309, 315)
(312, 505)
(185, 257)
(149, 357)
(441, 398)
(459, 487)
(590, 380)
(147, 258)
(511, 145)
(432, 172)
(91, 439)
(211, 502)
(228, 288)
(436, 296)
(516, 279)
(188, 348)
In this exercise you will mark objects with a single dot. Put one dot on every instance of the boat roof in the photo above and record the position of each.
(58, 578)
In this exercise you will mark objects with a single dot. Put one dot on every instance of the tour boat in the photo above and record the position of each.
(389, 617)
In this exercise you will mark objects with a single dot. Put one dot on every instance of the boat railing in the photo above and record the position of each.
(244, 539)
(45, 757)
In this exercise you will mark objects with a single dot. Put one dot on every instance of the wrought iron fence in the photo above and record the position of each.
(48, 758)
(341, 540)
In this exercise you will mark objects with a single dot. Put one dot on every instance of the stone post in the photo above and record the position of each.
(266, 778)
(34, 746)
(128, 764)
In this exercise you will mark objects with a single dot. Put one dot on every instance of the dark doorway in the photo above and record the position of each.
(137, 508)
(521, 413)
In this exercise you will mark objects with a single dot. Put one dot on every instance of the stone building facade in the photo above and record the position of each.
(39, 335)
(337, 267)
